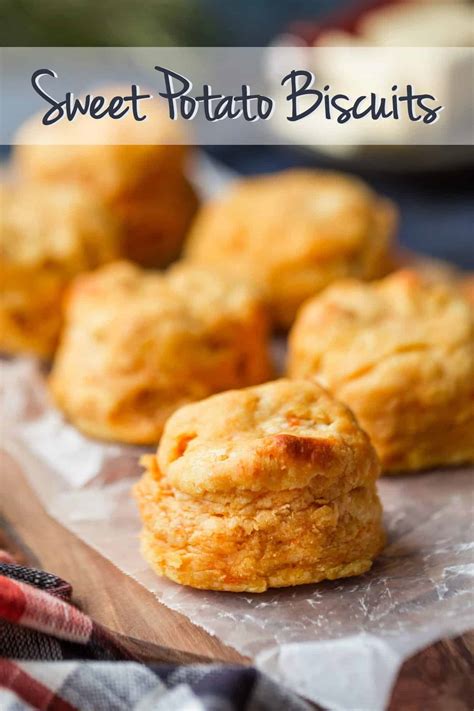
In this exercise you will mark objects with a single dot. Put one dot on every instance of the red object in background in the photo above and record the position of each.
(346, 19)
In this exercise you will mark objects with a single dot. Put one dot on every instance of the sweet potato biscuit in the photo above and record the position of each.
(295, 232)
(155, 220)
(46, 238)
(268, 486)
(467, 287)
(400, 353)
(137, 345)
(438, 271)
(143, 184)
(429, 268)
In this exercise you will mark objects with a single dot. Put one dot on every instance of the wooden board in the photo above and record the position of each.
(438, 679)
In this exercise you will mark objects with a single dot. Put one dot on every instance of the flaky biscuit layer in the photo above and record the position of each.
(276, 487)
(280, 539)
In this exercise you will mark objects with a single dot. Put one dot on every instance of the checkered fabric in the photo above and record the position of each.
(55, 657)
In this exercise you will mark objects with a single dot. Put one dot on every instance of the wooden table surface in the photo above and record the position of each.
(438, 679)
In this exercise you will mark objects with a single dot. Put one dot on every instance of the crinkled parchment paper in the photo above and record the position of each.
(338, 643)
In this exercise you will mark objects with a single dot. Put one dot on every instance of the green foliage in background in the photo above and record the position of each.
(113, 23)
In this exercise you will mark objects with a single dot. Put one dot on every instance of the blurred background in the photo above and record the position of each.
(154, 22)
(433, 188)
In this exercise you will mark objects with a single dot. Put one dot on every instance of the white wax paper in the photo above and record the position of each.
(338, 643)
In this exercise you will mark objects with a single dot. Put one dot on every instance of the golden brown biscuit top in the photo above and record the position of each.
(184, 295)
(281, 435)
(322, 214)
(64, 228)
(352, 325)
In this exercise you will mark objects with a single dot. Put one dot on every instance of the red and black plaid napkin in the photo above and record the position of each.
(57, 658)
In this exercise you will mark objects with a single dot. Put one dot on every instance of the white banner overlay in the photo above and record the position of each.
(223, 96)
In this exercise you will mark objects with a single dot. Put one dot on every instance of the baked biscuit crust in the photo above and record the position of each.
(264, 487)
(295, 232)
(142, 184)
(46, 238)
(123, 157)
(400, 353)
(467, 288)
(137, 345)
(270, 438)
